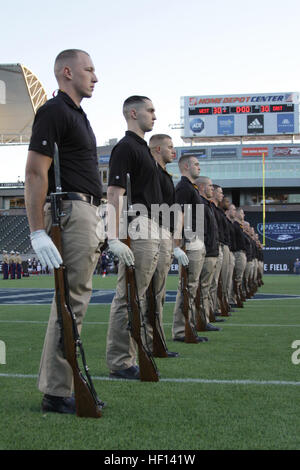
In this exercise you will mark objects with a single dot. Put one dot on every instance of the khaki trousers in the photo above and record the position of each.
(213, 291)
(82, 237)
(206, 277)
(240, 265)
(260, 267)
(248, 275)
(121, 348)
(230, 277)
(196, 260)
(225, 270)
(160, 279)
(255, 268)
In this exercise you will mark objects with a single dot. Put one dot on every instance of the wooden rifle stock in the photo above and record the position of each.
(236, 290)
(159, 345)
(87, 403)
(200, 321)
(148, 369)
(222, 301)
(190, 335)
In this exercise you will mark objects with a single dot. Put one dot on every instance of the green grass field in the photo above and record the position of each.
(240, 390)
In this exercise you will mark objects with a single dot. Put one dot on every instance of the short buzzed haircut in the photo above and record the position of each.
(157, 139)
(132, 102)
(65, 56)
(185, 158)
(216, 186)
(202, 180)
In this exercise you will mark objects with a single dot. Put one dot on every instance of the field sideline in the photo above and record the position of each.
(240, 390)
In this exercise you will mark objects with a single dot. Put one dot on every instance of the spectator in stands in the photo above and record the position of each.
(12, 265)
(5, 264)
(297, 266)
(18, 260)
(38, 267)
(104, 263)
(34, 265)
(25, 268)
(29, 261)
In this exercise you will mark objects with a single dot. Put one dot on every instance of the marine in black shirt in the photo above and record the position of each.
(211, 232)
(186, 193)
(228, 208)
(61, 120)
(211, 239)
(132, 155)
(163, 151)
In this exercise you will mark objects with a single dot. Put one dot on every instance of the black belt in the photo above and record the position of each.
(95, 201)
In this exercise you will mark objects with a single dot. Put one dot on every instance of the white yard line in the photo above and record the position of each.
(165, 324)
(180, 380)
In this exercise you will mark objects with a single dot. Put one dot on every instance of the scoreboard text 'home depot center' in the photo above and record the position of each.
(216, 116)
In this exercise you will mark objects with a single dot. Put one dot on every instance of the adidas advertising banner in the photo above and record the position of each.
(255, 124)
(282, 235)
(240, 115)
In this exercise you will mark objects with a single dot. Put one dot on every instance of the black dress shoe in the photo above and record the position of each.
(200, 339)
(180, 339)
(54, 404)
(132, 373)
(172, 354)
(218, 320)
(210, 327)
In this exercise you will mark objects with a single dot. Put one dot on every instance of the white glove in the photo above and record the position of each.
(181, 256)
(122, 251)
(45, 249)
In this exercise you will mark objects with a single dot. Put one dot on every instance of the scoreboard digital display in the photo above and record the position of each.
(203, 110)
(240, 115)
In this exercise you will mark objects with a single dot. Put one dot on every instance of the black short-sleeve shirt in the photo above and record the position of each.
(239, 238)
(232, 245)
(168, 192)
(226, 230)
(248, 247)
(167, 186)
(211, 232)
(187, 193)
(132, 155)
(220, 222)
(60, 120)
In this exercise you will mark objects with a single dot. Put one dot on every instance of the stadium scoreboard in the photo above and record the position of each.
(249, 115)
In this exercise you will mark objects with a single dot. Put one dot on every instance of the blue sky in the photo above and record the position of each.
(163, 49)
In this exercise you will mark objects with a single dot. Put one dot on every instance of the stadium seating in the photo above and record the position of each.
(14, 233)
